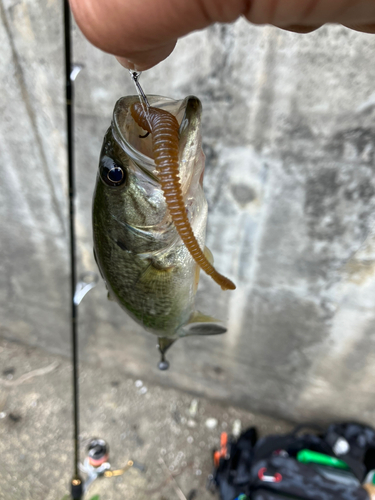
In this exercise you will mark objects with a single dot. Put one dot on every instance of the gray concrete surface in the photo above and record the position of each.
(139, 420)
(288, 131)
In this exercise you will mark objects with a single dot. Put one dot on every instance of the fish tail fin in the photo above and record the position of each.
(198, 324)
(201, 324)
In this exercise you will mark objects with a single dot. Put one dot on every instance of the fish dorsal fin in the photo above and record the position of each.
(201, 324)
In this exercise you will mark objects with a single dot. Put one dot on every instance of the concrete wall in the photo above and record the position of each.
(289, 135)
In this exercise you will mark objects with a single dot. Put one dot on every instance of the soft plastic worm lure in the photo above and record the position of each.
(164, 129)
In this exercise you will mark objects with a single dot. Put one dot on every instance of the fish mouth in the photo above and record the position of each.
(128, 135)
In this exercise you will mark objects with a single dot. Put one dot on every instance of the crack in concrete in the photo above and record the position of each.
(266, 92)
(31, 114)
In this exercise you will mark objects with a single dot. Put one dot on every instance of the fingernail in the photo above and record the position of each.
(126, 63)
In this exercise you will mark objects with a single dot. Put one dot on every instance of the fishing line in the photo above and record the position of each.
(76, 482)
(141, 95)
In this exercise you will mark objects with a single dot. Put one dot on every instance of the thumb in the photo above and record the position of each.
(144, 32)
(142, 60)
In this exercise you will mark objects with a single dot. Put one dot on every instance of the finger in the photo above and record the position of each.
(364, 28)
(145, 31)
(299, 28)
(311, 12)
(127, 64)
(140, 61)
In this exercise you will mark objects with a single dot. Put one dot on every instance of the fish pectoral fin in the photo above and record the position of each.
(199, 317)
(208, 254)
(202, 329)
(201, 324)
(154, 277)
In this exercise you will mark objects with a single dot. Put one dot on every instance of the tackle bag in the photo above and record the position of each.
(274, 467)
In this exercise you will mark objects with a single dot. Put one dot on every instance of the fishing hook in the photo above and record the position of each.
(135, 76)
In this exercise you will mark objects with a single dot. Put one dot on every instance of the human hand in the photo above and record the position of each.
(141, 33)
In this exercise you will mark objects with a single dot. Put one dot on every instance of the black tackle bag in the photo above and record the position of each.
(268, 469)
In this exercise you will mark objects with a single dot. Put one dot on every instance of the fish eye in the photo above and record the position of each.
(115, 175)
(111, 173)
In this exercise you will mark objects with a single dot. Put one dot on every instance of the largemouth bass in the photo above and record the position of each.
(147, 268)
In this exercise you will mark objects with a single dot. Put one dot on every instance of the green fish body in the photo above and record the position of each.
(147, 269)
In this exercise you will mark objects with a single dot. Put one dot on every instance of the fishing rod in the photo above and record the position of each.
(76, 481)
(79, 288)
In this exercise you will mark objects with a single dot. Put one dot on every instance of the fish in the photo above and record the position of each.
(147, 268)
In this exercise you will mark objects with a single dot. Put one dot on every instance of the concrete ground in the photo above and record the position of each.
(170, 432)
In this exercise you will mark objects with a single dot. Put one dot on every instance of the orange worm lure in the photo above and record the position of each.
(164, 129)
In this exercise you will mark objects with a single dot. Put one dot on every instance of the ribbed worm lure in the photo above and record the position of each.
(164, 129)
(150, 215)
